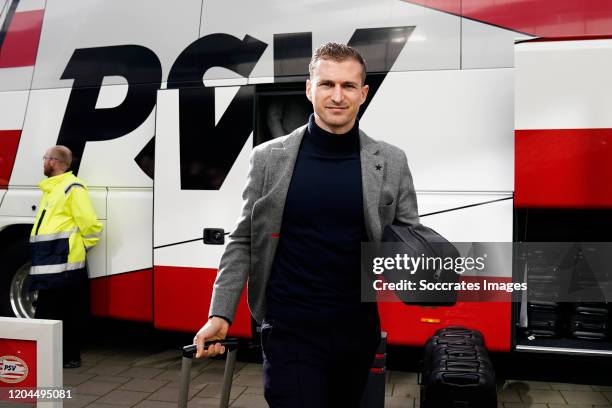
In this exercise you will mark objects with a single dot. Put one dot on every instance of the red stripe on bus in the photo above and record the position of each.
(98, 290)
(21, 42)
(123, 296)
(563, 168)
(130, 295)
(9, 141)
(404, 326)
(182, 299)
(541, 18)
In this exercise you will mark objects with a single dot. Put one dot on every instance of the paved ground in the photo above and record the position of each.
(132, 378)
(147, 375)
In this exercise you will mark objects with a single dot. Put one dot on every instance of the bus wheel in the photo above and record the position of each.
(15, 296)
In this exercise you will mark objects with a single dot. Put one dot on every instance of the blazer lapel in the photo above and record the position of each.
(372, 171)
(279, 172)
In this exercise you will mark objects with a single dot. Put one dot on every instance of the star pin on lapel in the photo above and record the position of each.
(378, 167)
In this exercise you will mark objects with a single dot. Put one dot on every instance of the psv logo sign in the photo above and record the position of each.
(206, 147)
(12, 369)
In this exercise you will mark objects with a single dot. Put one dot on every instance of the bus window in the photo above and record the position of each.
(280, 111)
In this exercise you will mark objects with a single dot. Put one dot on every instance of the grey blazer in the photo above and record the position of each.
(388, 197)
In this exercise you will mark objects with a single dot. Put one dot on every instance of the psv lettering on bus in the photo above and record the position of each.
(142, 70)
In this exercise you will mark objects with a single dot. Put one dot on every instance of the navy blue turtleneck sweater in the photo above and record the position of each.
(316, 271)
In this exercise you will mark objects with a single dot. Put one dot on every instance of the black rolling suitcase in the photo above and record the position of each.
(231, 349)
(455, 338)
(457, 371)
(468, 387)
(545, 319)
(457, 360)
(459, 353)
(590, 322)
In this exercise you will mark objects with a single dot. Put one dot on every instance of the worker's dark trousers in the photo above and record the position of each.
(318, 365)
(70, 304)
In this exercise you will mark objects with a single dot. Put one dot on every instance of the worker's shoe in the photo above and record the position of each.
(72, 364)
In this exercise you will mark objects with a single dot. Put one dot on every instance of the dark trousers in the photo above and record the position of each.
(318, 365)
(70, 304)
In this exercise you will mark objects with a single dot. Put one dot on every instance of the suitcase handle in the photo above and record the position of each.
(229, 343)
(189, 351)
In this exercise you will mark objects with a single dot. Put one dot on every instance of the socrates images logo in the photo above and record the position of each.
(12, 369)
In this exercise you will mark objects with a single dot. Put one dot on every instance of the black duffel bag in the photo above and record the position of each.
(421, 241)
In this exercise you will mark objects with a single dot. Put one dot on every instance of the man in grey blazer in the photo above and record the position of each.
(310, 199)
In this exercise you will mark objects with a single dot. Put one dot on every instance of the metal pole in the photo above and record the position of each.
(184, 383)
(228, 376)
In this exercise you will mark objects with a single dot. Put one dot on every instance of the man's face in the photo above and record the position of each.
(49, 163)
(336, 92)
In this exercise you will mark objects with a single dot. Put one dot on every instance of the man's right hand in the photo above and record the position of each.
(214, 329)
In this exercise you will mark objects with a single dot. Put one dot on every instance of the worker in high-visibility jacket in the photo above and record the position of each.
(66, 226)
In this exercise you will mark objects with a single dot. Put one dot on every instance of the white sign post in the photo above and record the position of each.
(48, 337)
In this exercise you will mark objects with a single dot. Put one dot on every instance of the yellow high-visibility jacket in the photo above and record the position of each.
(66, 226)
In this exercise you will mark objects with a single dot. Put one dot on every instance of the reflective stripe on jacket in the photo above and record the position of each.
(66, 226)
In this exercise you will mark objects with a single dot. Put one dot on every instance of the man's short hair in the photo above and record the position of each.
(337, 52)
(63, 155)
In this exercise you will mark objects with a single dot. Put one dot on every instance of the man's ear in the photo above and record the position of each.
(308, 90)
(364, 93)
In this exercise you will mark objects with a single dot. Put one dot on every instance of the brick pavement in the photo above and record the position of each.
(129, 378)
